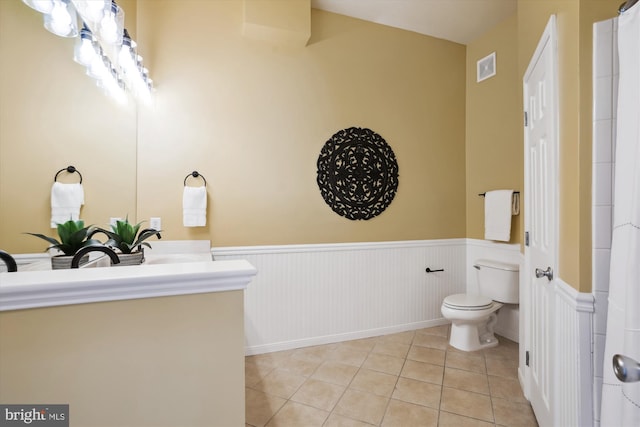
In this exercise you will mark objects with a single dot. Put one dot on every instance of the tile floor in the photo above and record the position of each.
(407, 379)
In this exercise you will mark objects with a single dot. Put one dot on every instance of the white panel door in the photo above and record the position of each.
(541, 207)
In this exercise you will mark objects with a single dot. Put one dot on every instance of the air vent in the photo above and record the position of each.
(486, 67)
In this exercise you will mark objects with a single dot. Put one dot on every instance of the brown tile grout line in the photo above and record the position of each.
(484, 361)
(444, 368)
(486, 368)
(384, 414)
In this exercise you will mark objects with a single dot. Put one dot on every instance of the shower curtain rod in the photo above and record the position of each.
(626, 5)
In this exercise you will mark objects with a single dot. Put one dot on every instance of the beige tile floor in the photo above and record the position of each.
(407, 379)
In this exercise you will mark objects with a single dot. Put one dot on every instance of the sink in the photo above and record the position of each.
(95, 260)
(177, 258)
(163, 252)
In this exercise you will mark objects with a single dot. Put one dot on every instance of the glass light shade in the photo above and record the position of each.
(141, 85)
(98, 67)
(62, 20)
(112, 25)
(125, 59)
(127, 55)
(91, 11)
(42, 6)
(84, 50)
(113, 86)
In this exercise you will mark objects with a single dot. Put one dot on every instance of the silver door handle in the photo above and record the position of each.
(548, 273)
(626, 369)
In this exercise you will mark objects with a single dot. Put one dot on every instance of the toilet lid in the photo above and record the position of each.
(467, 302)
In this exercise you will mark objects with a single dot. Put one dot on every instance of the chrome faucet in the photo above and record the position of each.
(8, 259)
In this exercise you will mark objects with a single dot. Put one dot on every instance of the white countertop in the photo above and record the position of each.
(160, 275)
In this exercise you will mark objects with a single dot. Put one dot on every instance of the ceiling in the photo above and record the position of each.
(460, 21)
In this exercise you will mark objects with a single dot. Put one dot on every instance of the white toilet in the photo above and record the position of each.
(474, 316)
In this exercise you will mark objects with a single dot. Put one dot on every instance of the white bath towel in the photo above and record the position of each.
(194, 206)
(497, 215)
(66, 200)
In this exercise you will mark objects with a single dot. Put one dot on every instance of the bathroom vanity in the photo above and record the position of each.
(160, 344)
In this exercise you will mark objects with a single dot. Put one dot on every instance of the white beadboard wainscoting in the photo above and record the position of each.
(316, 294)
(320, 293)
(573, 375)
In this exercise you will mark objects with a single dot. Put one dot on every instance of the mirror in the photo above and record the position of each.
(52, 116)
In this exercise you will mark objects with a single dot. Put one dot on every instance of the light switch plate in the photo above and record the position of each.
(155, 223)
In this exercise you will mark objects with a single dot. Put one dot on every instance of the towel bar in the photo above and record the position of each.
(483, 194)
(70, 169)
(515, 202)
(195, 174)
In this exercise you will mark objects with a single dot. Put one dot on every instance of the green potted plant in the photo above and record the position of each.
(73, 236)
(128, 239)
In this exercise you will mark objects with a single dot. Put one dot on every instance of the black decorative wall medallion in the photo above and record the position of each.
(357, 173)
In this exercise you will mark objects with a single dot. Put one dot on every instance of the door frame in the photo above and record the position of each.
(549, 38)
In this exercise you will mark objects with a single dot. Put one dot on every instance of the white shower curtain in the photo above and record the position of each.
(621, 401)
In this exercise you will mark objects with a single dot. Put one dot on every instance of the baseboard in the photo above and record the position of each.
(328, 339)
(508, 333)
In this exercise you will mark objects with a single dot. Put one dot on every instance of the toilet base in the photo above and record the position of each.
(467, 336)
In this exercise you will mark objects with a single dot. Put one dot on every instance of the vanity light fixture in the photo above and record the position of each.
(103, 46)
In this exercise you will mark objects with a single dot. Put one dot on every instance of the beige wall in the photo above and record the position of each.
(150, 362)
(279, 21)
(251, 116)
(494, 149)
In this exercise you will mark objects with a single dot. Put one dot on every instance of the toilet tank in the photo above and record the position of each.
(498, 280)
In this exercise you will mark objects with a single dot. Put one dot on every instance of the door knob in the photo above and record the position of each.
(626, 369)
(548, 273)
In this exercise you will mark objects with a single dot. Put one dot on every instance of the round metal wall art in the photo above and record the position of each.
(357, 173)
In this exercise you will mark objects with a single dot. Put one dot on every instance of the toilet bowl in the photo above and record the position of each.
(473, 316)
(472, 319)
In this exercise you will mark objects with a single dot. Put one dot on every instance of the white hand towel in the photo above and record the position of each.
(194, 206)
(497, 215)
(66, 200)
